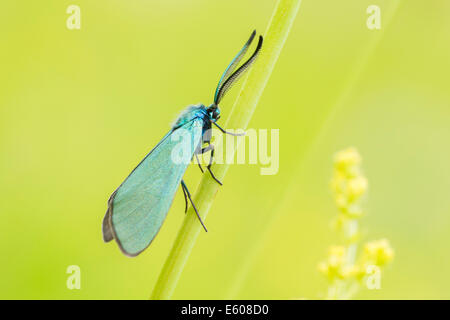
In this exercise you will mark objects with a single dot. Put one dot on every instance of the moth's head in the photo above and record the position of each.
(213, 112)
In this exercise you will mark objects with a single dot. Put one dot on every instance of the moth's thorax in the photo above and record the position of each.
(190, 113)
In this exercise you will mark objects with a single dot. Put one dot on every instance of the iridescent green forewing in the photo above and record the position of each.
(137, 209)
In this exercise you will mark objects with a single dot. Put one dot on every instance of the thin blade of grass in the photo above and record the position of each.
(239, 117)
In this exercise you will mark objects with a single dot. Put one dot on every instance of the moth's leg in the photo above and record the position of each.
(198, 162)
(210, 147)
(210, 163)
(185, 197)
(226, 132)
(207, 148)
(185, 189)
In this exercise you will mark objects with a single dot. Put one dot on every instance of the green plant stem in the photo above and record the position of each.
(344, 289)
(239, 117)
(350, 233)
(351, 230)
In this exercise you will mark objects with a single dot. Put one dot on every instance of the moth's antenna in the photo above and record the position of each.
(238, 73)
(234, 63)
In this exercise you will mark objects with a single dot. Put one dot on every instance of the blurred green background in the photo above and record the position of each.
(80, 108)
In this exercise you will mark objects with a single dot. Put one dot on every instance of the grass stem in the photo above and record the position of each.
(239, 117)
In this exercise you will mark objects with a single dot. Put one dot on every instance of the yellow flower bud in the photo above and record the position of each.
(348, 183)
(334, 267)
(378, 252)
(346, 159)
(357, 186)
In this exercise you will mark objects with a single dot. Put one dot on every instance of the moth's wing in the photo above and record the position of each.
(137, 209)
(107, 228)
(108, 233)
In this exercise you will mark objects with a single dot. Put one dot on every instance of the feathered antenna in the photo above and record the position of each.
(227, 80)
